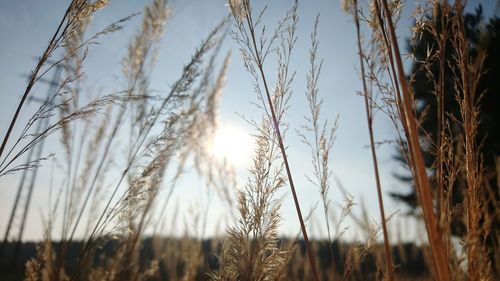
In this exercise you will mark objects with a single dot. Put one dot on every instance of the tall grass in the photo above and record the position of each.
(166, 132)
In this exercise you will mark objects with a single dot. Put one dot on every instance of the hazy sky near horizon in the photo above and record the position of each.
(26, 26)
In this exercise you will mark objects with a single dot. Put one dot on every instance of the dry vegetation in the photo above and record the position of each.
(163, 133)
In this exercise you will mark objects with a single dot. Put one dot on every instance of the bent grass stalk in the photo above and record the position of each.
(183, 84)
(75, 12)
(33, 77)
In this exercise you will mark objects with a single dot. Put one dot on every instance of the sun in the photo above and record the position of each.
(233, 144)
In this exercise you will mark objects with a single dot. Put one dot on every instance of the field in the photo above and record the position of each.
(147, 181)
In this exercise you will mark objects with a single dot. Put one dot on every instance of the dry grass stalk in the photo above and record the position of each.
(467, 77)
(323, 135)
(369, 109)
(254, 53)
(407, 116)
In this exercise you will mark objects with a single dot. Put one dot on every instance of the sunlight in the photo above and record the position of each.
(232, 143)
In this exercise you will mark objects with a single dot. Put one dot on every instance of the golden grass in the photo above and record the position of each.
(163, 133)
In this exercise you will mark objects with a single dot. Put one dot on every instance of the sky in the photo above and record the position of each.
(26, 26)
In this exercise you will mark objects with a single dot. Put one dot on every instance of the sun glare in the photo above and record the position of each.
(232, 143)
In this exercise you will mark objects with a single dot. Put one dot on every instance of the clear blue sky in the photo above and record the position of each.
(26, 26)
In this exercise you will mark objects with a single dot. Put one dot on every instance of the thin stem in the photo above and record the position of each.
(369, 121)
(282, 149)
(423, 184)
(34, 77)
